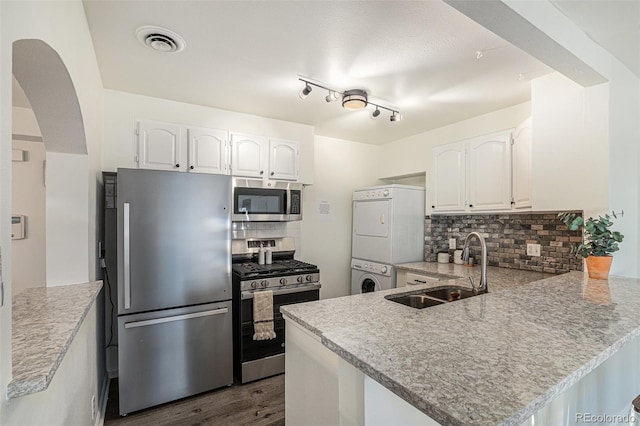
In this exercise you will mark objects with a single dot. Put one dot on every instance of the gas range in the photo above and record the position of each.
(284, 272)
(290, 280)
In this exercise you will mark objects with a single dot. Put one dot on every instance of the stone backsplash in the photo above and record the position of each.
(507, 236)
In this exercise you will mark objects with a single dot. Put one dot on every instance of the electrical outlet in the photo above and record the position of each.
(533, 249)
(452, 243)
(93, 407)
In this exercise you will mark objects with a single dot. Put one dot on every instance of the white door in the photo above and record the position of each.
(208, 151)
(522, 148)
(160, 146)
(448, 177)
(490, 172)
(248, 155)
(283, 159)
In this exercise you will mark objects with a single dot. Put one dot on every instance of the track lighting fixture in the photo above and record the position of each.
(332, 96)
(305, 92)
(352, 99)
(396, 116)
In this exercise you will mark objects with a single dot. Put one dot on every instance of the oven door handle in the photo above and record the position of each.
(249, 294)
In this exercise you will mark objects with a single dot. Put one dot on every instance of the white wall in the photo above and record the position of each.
(341, 167)
(28, 255)
(412, 155)
(63, 26)
(123, 109)
(570, 145)
(67, 218)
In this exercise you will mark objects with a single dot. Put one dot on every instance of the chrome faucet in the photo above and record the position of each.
(482, 288)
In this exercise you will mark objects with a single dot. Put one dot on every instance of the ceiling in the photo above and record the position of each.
(613, 24)
(418, 57)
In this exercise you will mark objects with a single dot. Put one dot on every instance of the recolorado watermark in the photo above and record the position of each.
(605, 418)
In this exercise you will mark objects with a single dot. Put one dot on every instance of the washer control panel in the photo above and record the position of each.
(373, 267)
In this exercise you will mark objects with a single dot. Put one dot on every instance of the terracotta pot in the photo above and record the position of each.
(598, 267)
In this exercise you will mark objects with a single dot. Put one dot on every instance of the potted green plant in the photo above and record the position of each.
(598, 243)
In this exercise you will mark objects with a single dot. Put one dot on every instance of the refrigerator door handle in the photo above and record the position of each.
(144, 323)
(127, 259)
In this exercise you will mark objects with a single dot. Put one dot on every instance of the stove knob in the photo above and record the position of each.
(308, 277)
(283, 281)
(299, 279)
(384, 269)
(254, 284)
(264, 284)
(385, 192)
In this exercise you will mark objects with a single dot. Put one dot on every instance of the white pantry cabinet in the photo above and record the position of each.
(255, 156)
(472, 175)
(168, 146)
(522, 153)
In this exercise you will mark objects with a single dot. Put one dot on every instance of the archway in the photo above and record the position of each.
(47, 84)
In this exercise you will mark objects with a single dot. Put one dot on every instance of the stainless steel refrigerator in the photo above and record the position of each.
(174, 285)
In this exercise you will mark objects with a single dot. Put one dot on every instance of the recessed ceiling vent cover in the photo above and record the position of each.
(160, 39)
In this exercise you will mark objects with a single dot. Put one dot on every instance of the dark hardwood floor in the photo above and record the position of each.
(260, 403)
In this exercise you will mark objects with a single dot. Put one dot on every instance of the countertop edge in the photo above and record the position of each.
(30, 384)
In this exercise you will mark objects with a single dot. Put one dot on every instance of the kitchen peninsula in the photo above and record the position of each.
(497, 358)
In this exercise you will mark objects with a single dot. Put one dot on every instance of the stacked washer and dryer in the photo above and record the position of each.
(388, 228)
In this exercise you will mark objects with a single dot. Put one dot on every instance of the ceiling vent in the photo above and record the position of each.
(160, 39)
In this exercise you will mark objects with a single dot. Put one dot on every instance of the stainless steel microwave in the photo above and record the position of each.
(266, 200)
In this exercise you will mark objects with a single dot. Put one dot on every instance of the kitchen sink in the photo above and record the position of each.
(417, 301)
(428, 298)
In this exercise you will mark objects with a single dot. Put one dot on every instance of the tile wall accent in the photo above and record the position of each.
(507, 236)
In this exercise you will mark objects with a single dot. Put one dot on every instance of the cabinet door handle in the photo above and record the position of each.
(470, 205)
(178, 165)
(261, 172)
(191, 167)
(272, 173)
(433, 207)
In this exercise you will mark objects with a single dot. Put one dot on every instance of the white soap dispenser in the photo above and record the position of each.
(261, 255)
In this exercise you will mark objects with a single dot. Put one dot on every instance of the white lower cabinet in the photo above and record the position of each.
(167, 146)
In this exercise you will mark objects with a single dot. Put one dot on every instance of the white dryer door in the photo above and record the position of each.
(372, 230)
(371, 218)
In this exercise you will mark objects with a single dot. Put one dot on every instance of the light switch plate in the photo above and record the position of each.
(533, 249)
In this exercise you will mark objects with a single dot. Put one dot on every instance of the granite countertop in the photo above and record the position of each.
(491, 359)
(45, 321)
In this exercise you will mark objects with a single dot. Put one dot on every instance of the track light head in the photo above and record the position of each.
(376, 113)
(354, 99)
(305, 92)
(396, 116)
(332, 96)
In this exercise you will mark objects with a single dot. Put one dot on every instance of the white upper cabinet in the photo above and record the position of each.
(160, 146)
(521, 152)
(448, 177)
(208, 151)
(490, 172)
(283, 159)
(167, 146)
(476, 174)
(249, 155)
